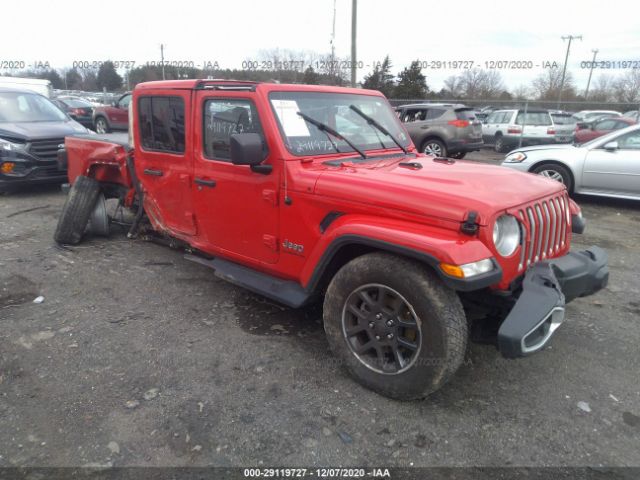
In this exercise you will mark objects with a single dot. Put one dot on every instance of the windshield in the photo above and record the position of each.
(22, 107)
(333, 109)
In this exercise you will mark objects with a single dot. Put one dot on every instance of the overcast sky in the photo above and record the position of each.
(229, 32)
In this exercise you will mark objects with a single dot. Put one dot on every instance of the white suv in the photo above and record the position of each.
(505, 128)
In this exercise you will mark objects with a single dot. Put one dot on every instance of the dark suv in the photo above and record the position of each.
(442, 130)
(32, 129)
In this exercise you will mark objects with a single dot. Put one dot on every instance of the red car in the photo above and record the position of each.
(112, 117)
(601, 127)
(302, 193)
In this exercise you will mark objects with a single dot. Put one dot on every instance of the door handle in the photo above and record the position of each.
(154, 173)
(205, 183)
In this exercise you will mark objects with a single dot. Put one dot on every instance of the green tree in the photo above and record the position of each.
(411, 83)
(73, 79)
(108, 77)
(380, 78)
(310, 76)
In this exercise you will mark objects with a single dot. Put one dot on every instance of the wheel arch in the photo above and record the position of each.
(556, 162)
(103, 116)
(347, 244)
(432, 136)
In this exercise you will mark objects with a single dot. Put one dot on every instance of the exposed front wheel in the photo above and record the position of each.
(555, 172)
(434, 148)
(394, 325)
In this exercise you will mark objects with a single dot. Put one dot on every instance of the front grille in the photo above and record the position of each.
(546, 228)
(46, 149)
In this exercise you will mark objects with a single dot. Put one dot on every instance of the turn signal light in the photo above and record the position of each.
(453, 270)
(7, 167)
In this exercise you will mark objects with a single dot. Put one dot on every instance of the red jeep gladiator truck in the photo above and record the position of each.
(302, 193)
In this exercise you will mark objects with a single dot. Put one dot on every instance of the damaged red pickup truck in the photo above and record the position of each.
(302, 193)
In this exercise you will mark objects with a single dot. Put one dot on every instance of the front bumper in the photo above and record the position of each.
(29, 171)
(546, 288)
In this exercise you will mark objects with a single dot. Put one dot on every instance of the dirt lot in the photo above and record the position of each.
(138, 357)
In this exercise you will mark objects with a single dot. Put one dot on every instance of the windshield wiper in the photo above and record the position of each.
(327, 129)
(374, 123)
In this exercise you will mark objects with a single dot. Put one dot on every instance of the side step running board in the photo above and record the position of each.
(286, 292)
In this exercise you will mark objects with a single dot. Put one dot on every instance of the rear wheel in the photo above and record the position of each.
(394, 325)
(102, 126)
(434, 147)
(499, 144)
(74, 218)
(555, 172)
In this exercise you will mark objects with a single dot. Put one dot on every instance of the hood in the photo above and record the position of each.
(447, 191)
(38, 130)
(536, 148)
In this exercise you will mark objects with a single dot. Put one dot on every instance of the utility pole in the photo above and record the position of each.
(354, 22)
(566, 59)
(162, 59)
(593, 62)
(333, 35)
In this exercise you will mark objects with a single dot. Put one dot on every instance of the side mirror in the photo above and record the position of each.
(246, 149)
(611, 146)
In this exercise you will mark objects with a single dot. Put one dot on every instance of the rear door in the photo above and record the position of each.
(119, 115)
(163, 163)
(472, 132)
(616, 171)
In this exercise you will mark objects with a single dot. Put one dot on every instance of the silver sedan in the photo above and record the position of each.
(606, 166)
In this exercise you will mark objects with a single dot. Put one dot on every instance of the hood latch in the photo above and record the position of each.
(470, 225)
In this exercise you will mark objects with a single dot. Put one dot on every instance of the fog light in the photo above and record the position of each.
(7, 167)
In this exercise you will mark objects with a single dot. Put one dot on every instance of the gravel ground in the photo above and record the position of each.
(138, 357)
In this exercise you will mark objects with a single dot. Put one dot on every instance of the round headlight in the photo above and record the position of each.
(506, 235)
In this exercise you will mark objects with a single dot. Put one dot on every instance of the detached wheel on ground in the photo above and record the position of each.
(555, 172)
(434, 148)
(394, 325)
(77, 209)
(101, 125)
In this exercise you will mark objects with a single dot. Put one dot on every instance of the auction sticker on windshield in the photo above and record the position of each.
(292, 124)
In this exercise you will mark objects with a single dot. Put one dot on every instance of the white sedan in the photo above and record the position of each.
(606, 166)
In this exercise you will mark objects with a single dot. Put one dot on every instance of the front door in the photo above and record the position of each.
(236, 208)
(119, 115)
(614, 170)
(163, 164)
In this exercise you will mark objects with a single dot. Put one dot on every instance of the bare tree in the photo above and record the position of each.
(602, 90)
(478, 83)
(627, 87)
(521, 92)
(546, 86)
(453, 87)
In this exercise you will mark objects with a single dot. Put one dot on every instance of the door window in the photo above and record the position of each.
(605, 125)
(223, 118)
(161, 121)
(124, 101)
(629, 141)
(434, 113)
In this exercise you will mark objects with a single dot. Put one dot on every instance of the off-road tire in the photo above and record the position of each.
(105, 128)
(557, 169)
(443, 326)
(76, 211)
